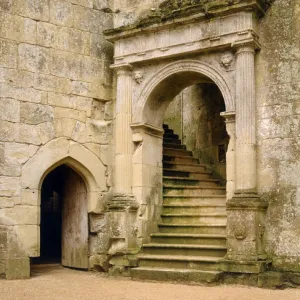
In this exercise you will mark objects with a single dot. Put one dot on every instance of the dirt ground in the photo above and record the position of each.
(53, 282)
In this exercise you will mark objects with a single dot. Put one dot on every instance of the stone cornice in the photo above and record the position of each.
(174, 12)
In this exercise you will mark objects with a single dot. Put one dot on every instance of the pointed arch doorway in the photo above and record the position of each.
(64, 219)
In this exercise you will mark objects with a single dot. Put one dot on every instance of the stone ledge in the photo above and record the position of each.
(122, 202)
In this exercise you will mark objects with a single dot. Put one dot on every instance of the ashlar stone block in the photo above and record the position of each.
(91, 20)
(8, 54)
(10, 186)
(20, 215)
(33, 9)
(21, 93)
(9, 110)
(61, 13)
(17, 154)
(32, 113)
(16, 77)
(34, 58)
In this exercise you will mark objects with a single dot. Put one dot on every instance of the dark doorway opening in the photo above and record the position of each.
(63, 219)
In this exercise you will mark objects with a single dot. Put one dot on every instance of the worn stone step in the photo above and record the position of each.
(179, 262)
(194, 208)
(185, 238)
(181, 249)
(177, 152)
(171, 141)
(176, 190)
(194, 200)
(170, 135)
(170, 180)
(189, 166)
(173, 146)
(192, 228)
(194, 218)
(171, 274)
(186, 174)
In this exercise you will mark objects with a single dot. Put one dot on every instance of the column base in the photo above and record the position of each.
(245, 234)
(248, 267)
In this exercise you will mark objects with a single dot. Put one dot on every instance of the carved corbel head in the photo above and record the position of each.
(226, 59)
(138, 76)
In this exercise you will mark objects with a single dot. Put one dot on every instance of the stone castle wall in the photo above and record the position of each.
(56, 91)
(55, 94)
(278, 96)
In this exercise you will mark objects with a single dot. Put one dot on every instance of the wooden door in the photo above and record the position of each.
(74, 222)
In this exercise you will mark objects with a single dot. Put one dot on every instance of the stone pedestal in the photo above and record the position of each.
(245, 210)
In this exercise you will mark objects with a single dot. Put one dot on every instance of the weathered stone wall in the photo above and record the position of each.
(55, 87)
(278, 96)
(195, 116)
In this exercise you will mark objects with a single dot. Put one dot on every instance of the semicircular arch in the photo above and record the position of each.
(185, 73)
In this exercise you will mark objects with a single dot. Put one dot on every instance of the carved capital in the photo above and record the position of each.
(122, 69)
(246, 45)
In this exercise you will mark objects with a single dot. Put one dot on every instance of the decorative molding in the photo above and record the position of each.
(139, 128)
(194, 35)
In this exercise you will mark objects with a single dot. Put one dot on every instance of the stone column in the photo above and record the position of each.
(123, 134)
(122, 207)
(230, 154)
(245, 120)
(245, 211)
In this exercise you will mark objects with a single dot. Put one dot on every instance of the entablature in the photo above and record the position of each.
(184, 36)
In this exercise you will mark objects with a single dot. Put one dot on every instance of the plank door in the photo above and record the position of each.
(74, 222)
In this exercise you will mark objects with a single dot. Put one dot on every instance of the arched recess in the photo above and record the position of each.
(167, 82)
(148, 115)
(55, 153)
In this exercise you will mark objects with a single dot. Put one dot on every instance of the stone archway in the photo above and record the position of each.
(61, 151)
(183, 50)
(64, 219)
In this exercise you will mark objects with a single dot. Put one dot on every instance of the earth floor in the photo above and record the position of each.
(53, 282)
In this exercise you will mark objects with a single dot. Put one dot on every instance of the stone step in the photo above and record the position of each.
(173, 146)
(194, 208)
(177, 152)
(194, 200)
(170, 135)
(193, 218)
(170, 180)
(181, 249)
(171, 141)
(176, 190)
(187, 174)
(170, 274)
(192, 228)
(190, 166)
(185, 238)
(180, 159)
(179, 262)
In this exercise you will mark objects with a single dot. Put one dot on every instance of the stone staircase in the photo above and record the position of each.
(191, 237)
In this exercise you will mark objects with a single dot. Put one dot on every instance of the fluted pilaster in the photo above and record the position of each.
(245, 119)
(123, 134)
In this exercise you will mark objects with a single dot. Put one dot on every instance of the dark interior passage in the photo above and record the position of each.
(51, 214)
(63, 222)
